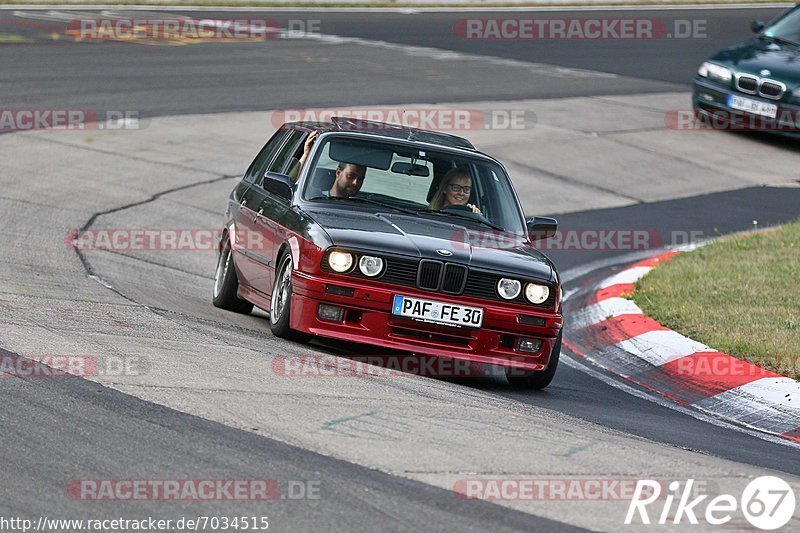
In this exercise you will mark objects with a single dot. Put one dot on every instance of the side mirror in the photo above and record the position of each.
(541, 227)
(280, 185)
(757, 26)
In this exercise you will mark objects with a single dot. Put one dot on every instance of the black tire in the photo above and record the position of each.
(539, 379)
(226, 283)
(280, 310)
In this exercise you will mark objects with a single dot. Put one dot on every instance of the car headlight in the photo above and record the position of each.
(536, 293)
(508, 289)
(370, 265)
(715, 72)
(340, 261)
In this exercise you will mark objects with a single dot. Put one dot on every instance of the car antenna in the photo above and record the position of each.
(411, 136)
(339, 122)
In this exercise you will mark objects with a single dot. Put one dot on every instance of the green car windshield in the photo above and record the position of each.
(417, 181)
(786, 28)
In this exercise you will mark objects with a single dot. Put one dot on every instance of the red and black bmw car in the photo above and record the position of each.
(394, 237)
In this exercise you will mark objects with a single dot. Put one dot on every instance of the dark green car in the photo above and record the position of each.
(754, 85)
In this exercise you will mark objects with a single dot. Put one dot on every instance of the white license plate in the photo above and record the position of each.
(752, 106)
(437, 312)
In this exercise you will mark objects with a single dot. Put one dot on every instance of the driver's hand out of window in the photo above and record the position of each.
(307, 147)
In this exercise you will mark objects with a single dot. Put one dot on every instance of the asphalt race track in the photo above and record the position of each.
(169, 80)
(206, 399)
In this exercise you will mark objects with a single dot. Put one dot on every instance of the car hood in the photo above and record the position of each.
(422, 236)
(751, 57)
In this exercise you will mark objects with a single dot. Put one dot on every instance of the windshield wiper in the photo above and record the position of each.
(366, 201)
(463, 216)
(779, 39)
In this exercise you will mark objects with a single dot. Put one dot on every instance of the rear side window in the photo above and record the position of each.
(259, 166)
(286, 153)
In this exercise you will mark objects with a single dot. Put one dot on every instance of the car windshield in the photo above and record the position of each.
(786, 28)
(422, 182)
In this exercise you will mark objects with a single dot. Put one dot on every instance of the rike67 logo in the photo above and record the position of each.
(767, 502)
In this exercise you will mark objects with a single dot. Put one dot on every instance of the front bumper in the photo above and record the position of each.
(368, 320)
(709, 98)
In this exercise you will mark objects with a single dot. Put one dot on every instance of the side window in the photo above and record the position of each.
(287, 152)
(259, 165)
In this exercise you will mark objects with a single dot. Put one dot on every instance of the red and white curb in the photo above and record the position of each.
(613, 332)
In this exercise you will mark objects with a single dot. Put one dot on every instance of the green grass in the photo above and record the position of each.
(739, 295)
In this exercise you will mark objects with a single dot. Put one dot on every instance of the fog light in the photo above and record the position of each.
(528, 345)
(333, 313)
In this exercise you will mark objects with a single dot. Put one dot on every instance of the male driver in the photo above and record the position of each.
(349, 179)
(349, 176)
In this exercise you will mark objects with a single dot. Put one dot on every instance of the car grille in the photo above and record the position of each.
(750, 84)
(438, 276)
(747, 84)
(446, 278)
(429, 276)
(454, 278)
(482, 285)
(771, 89)
(400, 272)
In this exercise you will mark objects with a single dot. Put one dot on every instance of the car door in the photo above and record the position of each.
(241, 215)
(262, 214)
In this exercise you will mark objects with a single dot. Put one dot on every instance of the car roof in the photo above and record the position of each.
(385, 130)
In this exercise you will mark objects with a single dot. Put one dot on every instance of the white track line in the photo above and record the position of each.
(662, 346)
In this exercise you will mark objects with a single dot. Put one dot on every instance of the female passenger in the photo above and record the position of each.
(454, 189)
